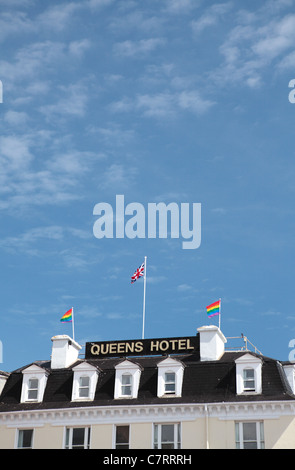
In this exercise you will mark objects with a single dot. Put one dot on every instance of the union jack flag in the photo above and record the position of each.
(138, 273)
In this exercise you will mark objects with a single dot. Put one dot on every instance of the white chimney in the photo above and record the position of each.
(211, 343)
(64, 351)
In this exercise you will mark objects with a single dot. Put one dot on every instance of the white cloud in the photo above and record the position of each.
(71, 102)
(31, 61)
(15, 153)
(72, 163)
(16, 118)
(260, 41)
(31, 238)
(12, 23)
(57, 17)
(157, 105)
(211, 17)
(166, 104)
(118, 176)
(77, 48)
(137, 48)
(181, 6)
(192, 101)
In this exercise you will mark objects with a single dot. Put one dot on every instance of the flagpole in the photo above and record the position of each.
(144, 289)
(219, 312)
(73, 323)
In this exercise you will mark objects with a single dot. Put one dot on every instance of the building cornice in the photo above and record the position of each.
(148, 413)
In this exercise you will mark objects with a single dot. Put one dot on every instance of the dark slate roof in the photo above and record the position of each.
(203, 382)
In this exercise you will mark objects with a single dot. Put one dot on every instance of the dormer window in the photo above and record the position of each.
(34, 383)
(127, 379)
(84, 382)
(170, 377)
(248, 374)
(290, 375)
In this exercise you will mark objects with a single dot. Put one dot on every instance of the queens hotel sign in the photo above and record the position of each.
(143, 347)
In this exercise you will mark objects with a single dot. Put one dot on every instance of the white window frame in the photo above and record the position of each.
(126, 385)
(33, 390)
(83, 387)
(33, 372)
(22, 430)
(158, 433)
(68, 434)
(246, 379)
(246, 362)
(81, 371)
(241, 443)
(169, 382)
(166, 366)
(115, 443)
(125, 368)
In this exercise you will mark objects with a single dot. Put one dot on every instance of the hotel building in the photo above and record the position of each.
(162, 393)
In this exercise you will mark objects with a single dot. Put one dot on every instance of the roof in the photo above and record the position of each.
(203, 382)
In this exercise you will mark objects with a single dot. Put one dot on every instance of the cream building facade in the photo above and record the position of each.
(167, 393)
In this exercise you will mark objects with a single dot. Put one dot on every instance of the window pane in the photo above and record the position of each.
(156, 427)
(83, 392)
(84, 387)
(122, 434)
(67, 437)
(261, 428)
(33, 383)
(126, 384)
(32, 394)
(122, 437)
(169, 377)
(126, 390)
(249, 379)
(33, 389)
(78, 437)
(178, 436)
(169, 388)
(84, 381)
(249, 432)
(25, 437)
(248, 374)
(249, 384)
(167, 446)
(168, 433)
(250, 445)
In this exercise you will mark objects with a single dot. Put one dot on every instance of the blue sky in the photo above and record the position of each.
(180, 101)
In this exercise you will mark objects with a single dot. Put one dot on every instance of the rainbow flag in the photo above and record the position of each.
(214, 309)
(68, 316)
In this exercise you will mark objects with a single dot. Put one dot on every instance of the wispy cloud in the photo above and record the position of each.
(30, 237)
(211, 17)
(72, 102)
(257, 42)
(166, 104)
(26, 179)
(119, 176)
(137, 48)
